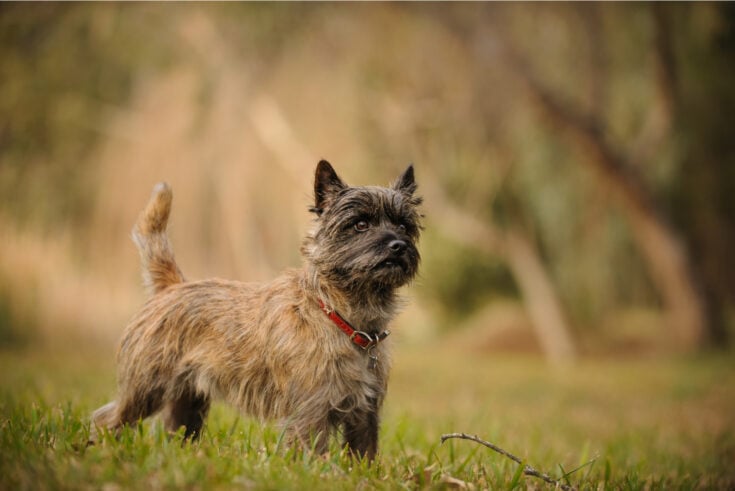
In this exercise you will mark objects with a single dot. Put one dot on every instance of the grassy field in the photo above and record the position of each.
(643, 424)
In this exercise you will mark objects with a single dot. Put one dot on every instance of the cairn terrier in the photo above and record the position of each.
(307, 349)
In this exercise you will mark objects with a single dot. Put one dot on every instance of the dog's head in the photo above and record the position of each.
(365, 236)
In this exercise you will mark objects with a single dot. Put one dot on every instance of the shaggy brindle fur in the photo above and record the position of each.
(269, 349)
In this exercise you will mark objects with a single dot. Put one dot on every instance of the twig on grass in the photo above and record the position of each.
(527, 469)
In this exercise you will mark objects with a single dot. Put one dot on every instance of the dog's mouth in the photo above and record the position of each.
(392, 263)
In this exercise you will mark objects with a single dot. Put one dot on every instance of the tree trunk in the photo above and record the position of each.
(537, 289)
(540, 296)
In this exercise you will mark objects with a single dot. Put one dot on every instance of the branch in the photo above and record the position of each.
(662, 110)
(527, 469)
(585, 130)
(665, 59)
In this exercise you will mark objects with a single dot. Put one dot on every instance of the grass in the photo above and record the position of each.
(644, 424)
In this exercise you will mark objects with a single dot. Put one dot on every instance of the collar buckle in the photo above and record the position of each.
(371, 342)
(362, 339)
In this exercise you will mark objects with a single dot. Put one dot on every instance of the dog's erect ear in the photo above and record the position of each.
(326, 185)
(406, 183)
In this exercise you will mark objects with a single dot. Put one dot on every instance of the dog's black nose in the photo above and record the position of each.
(397, 246)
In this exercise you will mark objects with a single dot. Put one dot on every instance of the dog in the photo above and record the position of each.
(308, 349)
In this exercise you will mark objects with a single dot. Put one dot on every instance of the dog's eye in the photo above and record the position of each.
(361, 226)
(402, 227)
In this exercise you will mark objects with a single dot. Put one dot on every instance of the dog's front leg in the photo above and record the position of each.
(361, 433)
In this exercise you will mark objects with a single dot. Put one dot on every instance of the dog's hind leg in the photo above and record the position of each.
(189, 410)
(128, 411)
(104, 417)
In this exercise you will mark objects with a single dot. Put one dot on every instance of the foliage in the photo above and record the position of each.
(469, 280)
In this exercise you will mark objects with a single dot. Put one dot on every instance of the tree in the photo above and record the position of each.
(659, 242)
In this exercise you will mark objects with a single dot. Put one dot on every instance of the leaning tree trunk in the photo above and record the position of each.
(670, 269)
(542, 302)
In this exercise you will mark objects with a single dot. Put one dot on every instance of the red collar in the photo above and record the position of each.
(361, 338)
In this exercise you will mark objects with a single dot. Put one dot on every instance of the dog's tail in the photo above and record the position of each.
(149, 234)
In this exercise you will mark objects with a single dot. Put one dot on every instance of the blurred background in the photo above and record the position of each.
(577, 160)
